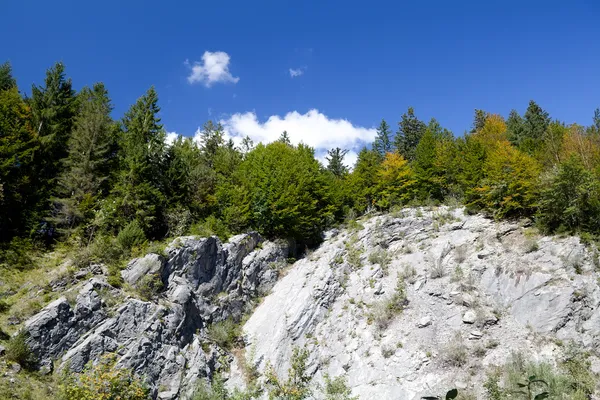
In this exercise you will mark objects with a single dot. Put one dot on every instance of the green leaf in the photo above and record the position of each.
(542, 396)
(452, 394)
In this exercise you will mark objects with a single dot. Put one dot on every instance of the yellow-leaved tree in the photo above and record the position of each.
(510, 186)
(396, 182)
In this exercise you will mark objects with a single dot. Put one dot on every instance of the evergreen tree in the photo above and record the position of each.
(53, 106)
(211, 139)
(6, 79)
(410, 131)
(383, 141)
(429, 176)
(536, 121)
(514, 127)
(527, 133)
(335, 162)
(17, 147)
(285, 138)
(594, 129)
(478, 120)
(91, 154)
(139, 192)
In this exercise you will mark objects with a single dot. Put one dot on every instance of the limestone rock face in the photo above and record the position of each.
(382, 303)
(165, 339)
(468, 281)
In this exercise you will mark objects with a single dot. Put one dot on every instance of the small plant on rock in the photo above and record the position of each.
(337, 389)
(296, 386)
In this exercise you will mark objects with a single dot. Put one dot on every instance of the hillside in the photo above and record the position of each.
(398, 305)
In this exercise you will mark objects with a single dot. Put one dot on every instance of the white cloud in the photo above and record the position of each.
(214, 68)
(171, 137)
(296, 72)
(313, 128)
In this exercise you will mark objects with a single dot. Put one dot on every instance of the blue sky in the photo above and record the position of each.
(359, 61)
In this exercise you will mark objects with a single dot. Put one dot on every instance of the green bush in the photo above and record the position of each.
(225, 333)
(131, 235)
(17, 350)
(296, 386)
(149, 286)
(211, 226)
(17, 253)
(570, 199)
(103, 381)
(337, 389)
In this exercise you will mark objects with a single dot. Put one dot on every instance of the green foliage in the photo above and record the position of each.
(520, 378)
(18, 182)
(6, 79)
(139, 190)
(337, 389)
(91, 157)
(103, 381)
(149, 286)
(131, 235)
(410, 131)
(282, 192)
(384, 312)
(511, 183)
(383, 141)
(17, 350)
(363, 180)
(569, 199)
(335, 162)
(295, 387)
(225, 333)
(211, 226)
(53, 107)
(432, 182)
(215, 391)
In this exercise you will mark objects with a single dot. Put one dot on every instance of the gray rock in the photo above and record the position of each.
(163, 341)
(308, 305)
(469, 317)
(140, 267)
(475, 335)
(424, 322)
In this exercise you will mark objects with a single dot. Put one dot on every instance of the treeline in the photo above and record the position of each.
(69, 172)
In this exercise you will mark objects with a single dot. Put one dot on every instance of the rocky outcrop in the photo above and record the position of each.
(473, 286)
(402, 305)
(165, 339)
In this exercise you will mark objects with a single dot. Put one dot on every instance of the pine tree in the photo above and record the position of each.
(18, 194)
(527, 133)
(139, 192)
(6, 79)
(211, 139)
(91, 154)
(429, 176)
(53, 106)
(285, 138)
(514, 127)
(383, 141)
(478, 120)
(410, 131)
(335, 162)
(536, 121)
